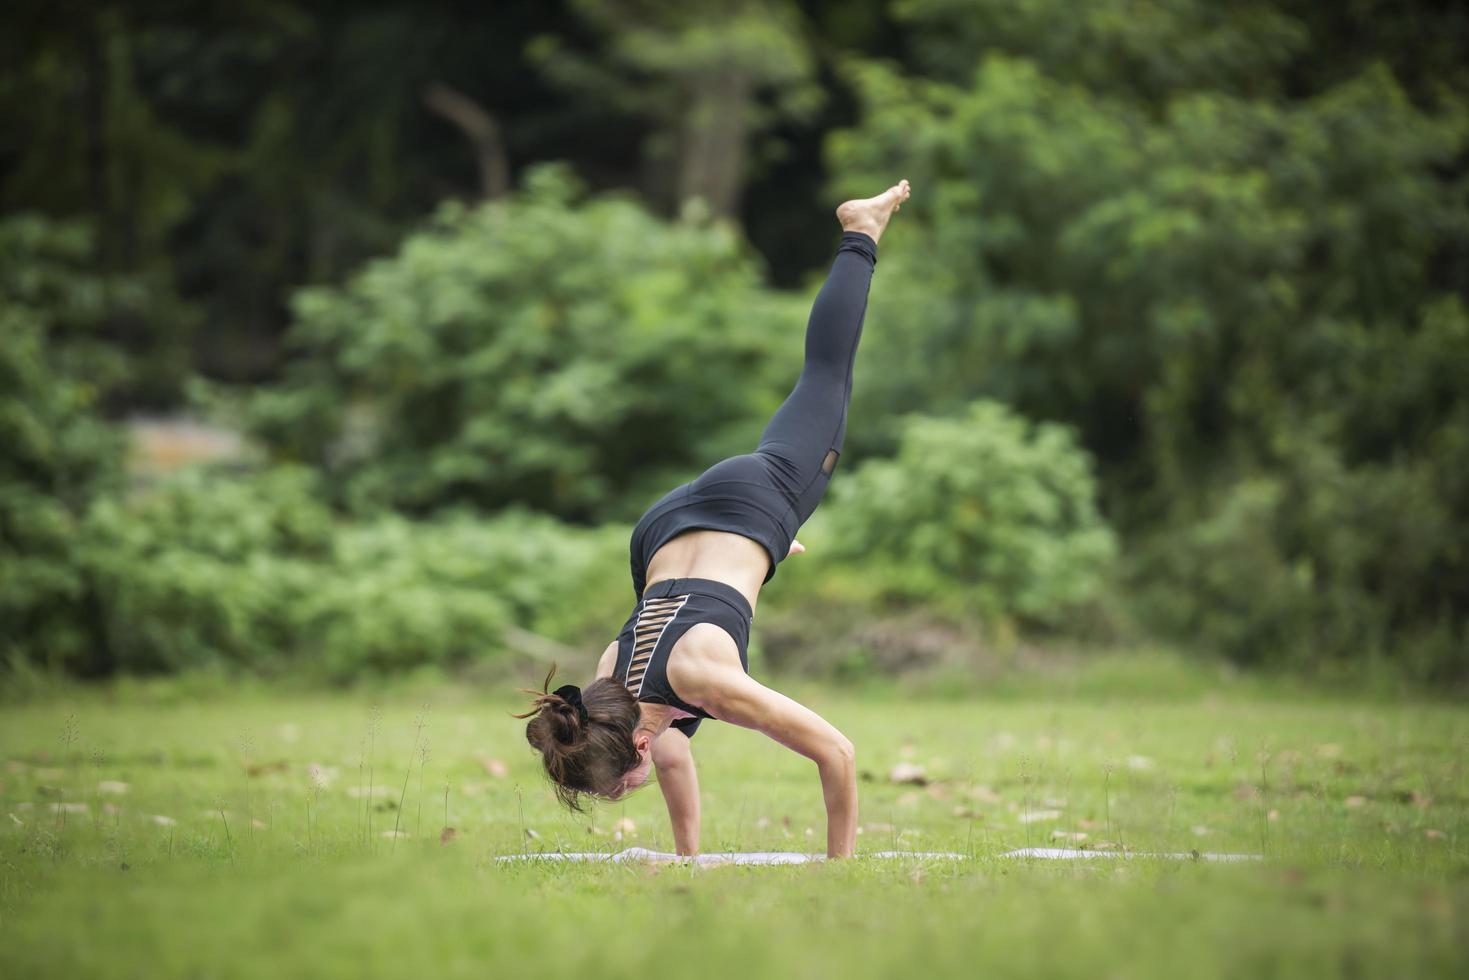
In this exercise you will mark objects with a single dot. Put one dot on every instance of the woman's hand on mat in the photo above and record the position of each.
(796, 548)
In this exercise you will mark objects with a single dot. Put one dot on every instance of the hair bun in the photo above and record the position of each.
(571, 694)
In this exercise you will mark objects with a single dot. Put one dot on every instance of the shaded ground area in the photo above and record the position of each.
(255, 834)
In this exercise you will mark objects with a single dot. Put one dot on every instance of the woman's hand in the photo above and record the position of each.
(679, 781)
(796, 548)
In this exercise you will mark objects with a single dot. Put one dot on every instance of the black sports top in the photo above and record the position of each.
(668, 610)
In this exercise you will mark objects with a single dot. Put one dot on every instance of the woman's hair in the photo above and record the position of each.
(585, 736)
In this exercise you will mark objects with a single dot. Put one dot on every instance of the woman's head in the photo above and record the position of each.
(588, 739)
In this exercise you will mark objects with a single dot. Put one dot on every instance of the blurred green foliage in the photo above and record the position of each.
(1248, 307)
(984, 507)
(1213, 260)
(579, 356)
(256, 573)
(57, 454)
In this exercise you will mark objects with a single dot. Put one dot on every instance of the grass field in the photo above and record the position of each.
(237, 836)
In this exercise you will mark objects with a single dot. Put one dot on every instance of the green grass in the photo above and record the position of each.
(1359, 808)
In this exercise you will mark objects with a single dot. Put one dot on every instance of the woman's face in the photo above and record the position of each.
(637, 775)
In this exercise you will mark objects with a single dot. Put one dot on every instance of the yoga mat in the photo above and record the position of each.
(634, 854)
(1069, 854)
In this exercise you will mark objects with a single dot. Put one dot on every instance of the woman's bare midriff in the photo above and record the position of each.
(732, 559)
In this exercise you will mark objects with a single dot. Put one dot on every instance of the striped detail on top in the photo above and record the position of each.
(653, 619)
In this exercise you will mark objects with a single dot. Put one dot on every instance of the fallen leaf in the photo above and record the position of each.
(163, 821)
(532, 834)
(762, 823)
(112, 787)
(1273, 815)
(1139, 763)
(493, 767)
(1076, 837)
(1036, 816)
(1199, 830)
(394, 834)
(18, 821)
(1353, 802)
(257, 824)
(1420, 800)
(880, 828)
(938, 791)
(447, 834)
(909, 799)
(1328, 750)
(1434, 834)
(1245, 792)
(358, 792)
(69, 808)
(625, 826)
(261, 768)
(908, 773)
(111, 809)
(965, 813)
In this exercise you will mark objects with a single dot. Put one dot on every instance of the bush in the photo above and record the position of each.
(255, 573)
(56, 452)
(985, 507)
(570, 356)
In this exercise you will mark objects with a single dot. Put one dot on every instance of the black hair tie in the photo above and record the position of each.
(571, 694)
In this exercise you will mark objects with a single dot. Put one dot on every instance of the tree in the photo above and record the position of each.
(712, 78)
(1200, 279)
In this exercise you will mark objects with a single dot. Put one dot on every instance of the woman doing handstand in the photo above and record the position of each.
(699, 558)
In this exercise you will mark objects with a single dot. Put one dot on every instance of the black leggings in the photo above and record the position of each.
(768, 494)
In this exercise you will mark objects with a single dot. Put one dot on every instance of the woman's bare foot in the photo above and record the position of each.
(871, 216)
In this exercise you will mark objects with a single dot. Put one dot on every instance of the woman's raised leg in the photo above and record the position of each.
(806, 434)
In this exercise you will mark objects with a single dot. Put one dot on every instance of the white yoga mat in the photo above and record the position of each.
(632, 854)
(1069, 854)
(635, 854)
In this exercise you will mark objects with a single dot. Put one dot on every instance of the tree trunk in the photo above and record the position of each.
(482, 132)
(713, 145)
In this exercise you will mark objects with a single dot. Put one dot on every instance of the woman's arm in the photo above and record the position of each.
(607, 663)
(674, 759)
(679, 781)
(737, 698)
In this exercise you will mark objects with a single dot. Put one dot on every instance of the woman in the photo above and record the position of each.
(699, 558)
